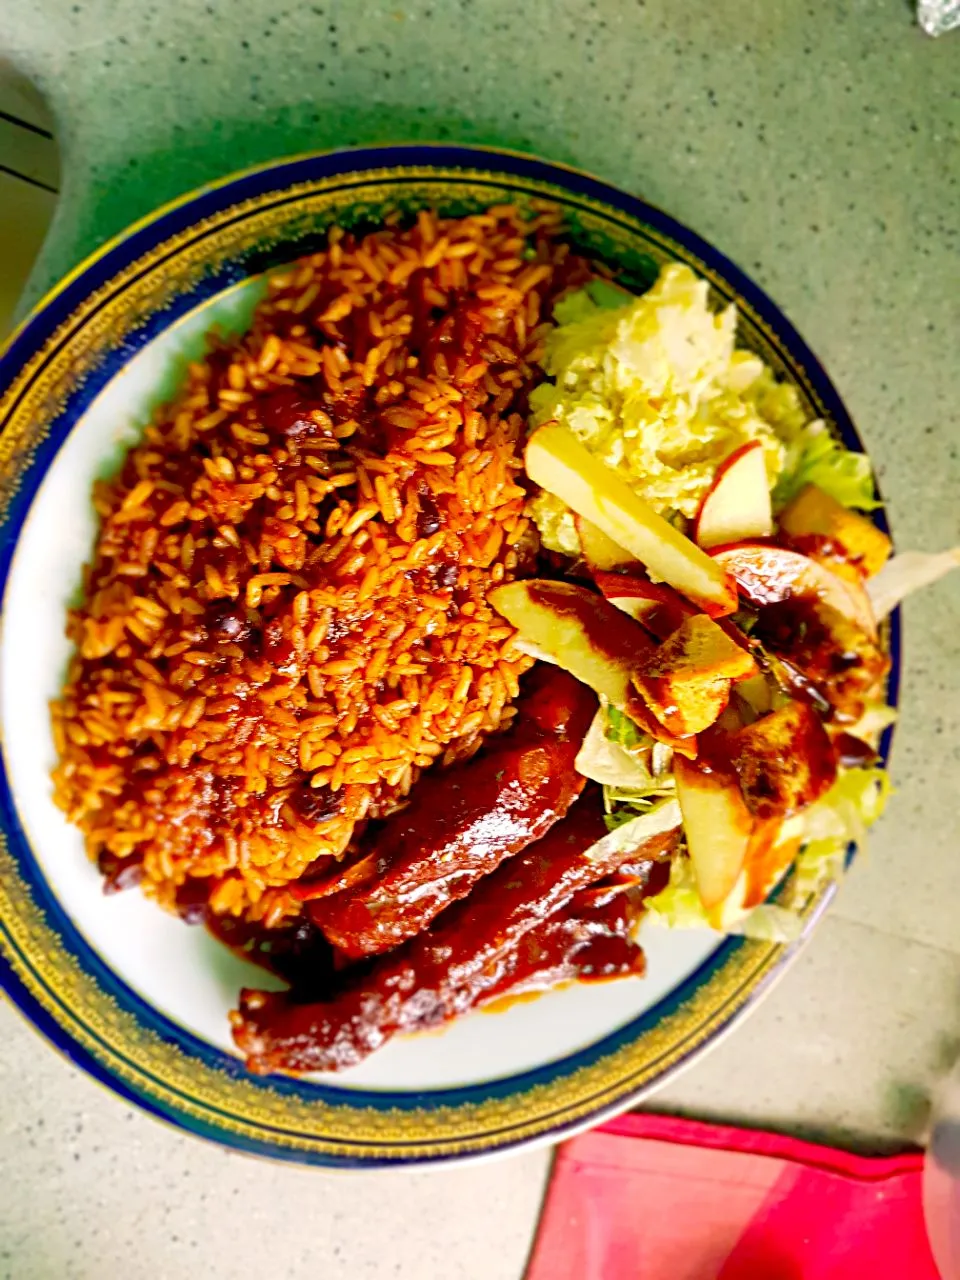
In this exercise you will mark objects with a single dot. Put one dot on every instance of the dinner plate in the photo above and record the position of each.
(135, 997)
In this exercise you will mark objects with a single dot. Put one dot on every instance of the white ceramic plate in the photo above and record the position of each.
(135, 996)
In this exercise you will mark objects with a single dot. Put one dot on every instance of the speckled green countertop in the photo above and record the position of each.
(816, 144)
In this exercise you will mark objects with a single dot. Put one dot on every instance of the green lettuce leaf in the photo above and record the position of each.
(659, 816)
(602, 759)
(597, 295)
(624, 802)
(635, 771)
(608, 296)
(626, 733)
(770, 922)
(839, 819)
(623, 731)
(814, 457)
(678, 906)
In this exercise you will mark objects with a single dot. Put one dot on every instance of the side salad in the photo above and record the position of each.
(722, 590)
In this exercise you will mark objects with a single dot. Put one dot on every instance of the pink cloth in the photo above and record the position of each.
(655, 1198)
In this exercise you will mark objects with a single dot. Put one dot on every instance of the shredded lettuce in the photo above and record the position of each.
(626, 836)
(678, 906)
(905, 573)
(604, 760)
(655, 387)
(626, 733)
(770, 923)
(634, 770)
(814, 457)
(827, 828)
(623, 804)
(838, 820)
(597, 295)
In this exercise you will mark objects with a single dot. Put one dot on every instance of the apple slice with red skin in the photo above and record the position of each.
(737, 504)
(768, 574)
(653, 604)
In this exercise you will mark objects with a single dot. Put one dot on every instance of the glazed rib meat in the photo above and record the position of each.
(511, 927)
(461, 823)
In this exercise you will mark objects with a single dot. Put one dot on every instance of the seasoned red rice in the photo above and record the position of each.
(285, 620)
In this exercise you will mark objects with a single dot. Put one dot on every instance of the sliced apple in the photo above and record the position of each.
(737, 860)
(656, 606)
(557, 461)
(737, 504)
(686, 681)
(768, 574)
(718, 826)
(582, 632)
(785, 761)
(768, 857)
(599, 551)
(816, 514)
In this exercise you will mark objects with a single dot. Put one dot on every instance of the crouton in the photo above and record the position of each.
(686, 681)
(785, 761)
(813, 513)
